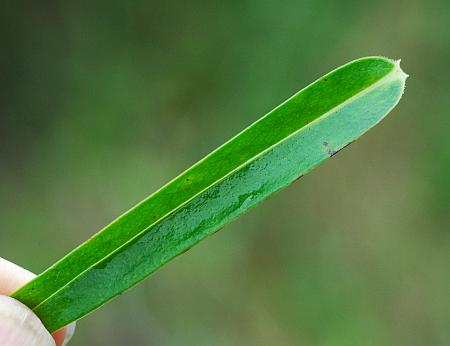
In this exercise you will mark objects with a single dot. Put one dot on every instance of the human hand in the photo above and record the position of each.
(19, 326)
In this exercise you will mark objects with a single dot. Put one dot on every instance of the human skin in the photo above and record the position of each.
(19, 326)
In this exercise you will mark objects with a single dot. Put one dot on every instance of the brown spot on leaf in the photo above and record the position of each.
(331, 152)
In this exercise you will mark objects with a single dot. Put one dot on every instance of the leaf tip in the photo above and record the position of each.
(398, 70)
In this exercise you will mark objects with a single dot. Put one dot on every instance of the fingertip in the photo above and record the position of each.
(12, 277)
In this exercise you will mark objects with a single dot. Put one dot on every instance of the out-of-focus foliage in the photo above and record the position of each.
(103, 102)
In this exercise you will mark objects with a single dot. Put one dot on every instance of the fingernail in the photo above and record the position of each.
(70, 329)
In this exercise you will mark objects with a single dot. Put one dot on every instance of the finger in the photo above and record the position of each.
(19, 326)
(12, 277)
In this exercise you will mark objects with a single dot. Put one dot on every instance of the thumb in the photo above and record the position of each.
(19, 326)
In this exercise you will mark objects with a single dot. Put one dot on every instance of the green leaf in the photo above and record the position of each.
(270, 154)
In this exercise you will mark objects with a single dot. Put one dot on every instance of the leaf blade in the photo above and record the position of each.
(267, 156)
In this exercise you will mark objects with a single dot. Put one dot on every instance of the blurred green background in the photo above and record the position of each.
(102, 102)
